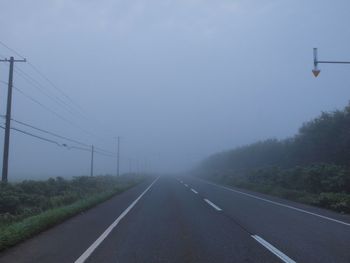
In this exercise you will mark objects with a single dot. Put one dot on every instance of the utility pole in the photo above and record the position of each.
(130, 166)
(8, 119)
(118, 154)
(92, 161)
(316, 70)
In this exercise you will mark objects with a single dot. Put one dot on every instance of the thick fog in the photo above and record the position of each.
(176, 80)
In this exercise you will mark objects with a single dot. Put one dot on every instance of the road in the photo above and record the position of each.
(185, 219)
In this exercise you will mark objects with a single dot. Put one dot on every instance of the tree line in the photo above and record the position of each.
(316, 161)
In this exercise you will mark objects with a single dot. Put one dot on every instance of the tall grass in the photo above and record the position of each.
(18, 230)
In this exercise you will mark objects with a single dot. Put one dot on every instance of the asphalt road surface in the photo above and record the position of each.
(186, 219)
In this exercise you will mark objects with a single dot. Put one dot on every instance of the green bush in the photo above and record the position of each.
(30, 197)
(30, 207)
(336, 201)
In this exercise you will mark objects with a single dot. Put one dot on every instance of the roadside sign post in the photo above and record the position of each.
(316, 71)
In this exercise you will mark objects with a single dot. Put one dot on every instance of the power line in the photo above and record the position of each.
(47, 140)
(55, 142)
(104, 154)
(42, 75)
(59, 116)
(11, 49)
(38, 71)
(37, 85)
(77, 108)
(78, 148)
(33, 135)
(37, 136)
(53, 112)
(53, 97)
(102, 150)
(43, 106)
(54, 86)
(51, 133)
(61, 137)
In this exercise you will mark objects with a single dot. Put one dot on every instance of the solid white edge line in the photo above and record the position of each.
(279, 204)
(98, 241)
(212, 204)
(194, 191)
(273, 249)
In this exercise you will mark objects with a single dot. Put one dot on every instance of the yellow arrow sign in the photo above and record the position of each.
(316, 72)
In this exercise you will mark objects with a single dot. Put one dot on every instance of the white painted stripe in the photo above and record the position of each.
(213, 205)
(274, 250)
(186, 185)
(280, 204)
(194, 191)
(91, 249)
(181, 182)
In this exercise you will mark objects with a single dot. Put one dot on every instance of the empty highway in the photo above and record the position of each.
(185, 219)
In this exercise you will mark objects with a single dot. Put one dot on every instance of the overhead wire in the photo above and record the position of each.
(55, 142)
(33, 135)
(105, 151)
(98, 149)
(34, 82)
(55, 98)
(37, 85)
(49, 132)
(52, 111)
(48, 109)
(78, 108)
(11, 49)
(43, 106)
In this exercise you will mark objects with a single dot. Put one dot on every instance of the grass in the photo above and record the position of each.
(339, 202)
(16, 232)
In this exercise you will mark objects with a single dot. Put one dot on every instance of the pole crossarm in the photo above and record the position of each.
(14, 60)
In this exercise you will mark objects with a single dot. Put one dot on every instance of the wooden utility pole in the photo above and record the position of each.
(8, 119)
(118, 154)
(92, 161)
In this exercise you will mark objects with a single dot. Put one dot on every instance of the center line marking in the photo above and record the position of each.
(274, 250)
(98, 241)
(213, 205)
(194, 191)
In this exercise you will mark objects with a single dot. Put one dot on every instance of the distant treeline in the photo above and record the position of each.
(315, 161)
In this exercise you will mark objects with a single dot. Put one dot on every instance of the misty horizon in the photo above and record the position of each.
(177, 81)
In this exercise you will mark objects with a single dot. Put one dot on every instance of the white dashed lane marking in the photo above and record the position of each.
(213, 205)
(194, 191)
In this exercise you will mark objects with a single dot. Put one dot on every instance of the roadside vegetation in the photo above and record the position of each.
(30, 207)
(312, 167)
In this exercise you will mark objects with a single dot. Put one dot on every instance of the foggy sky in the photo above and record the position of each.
(177, 80)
